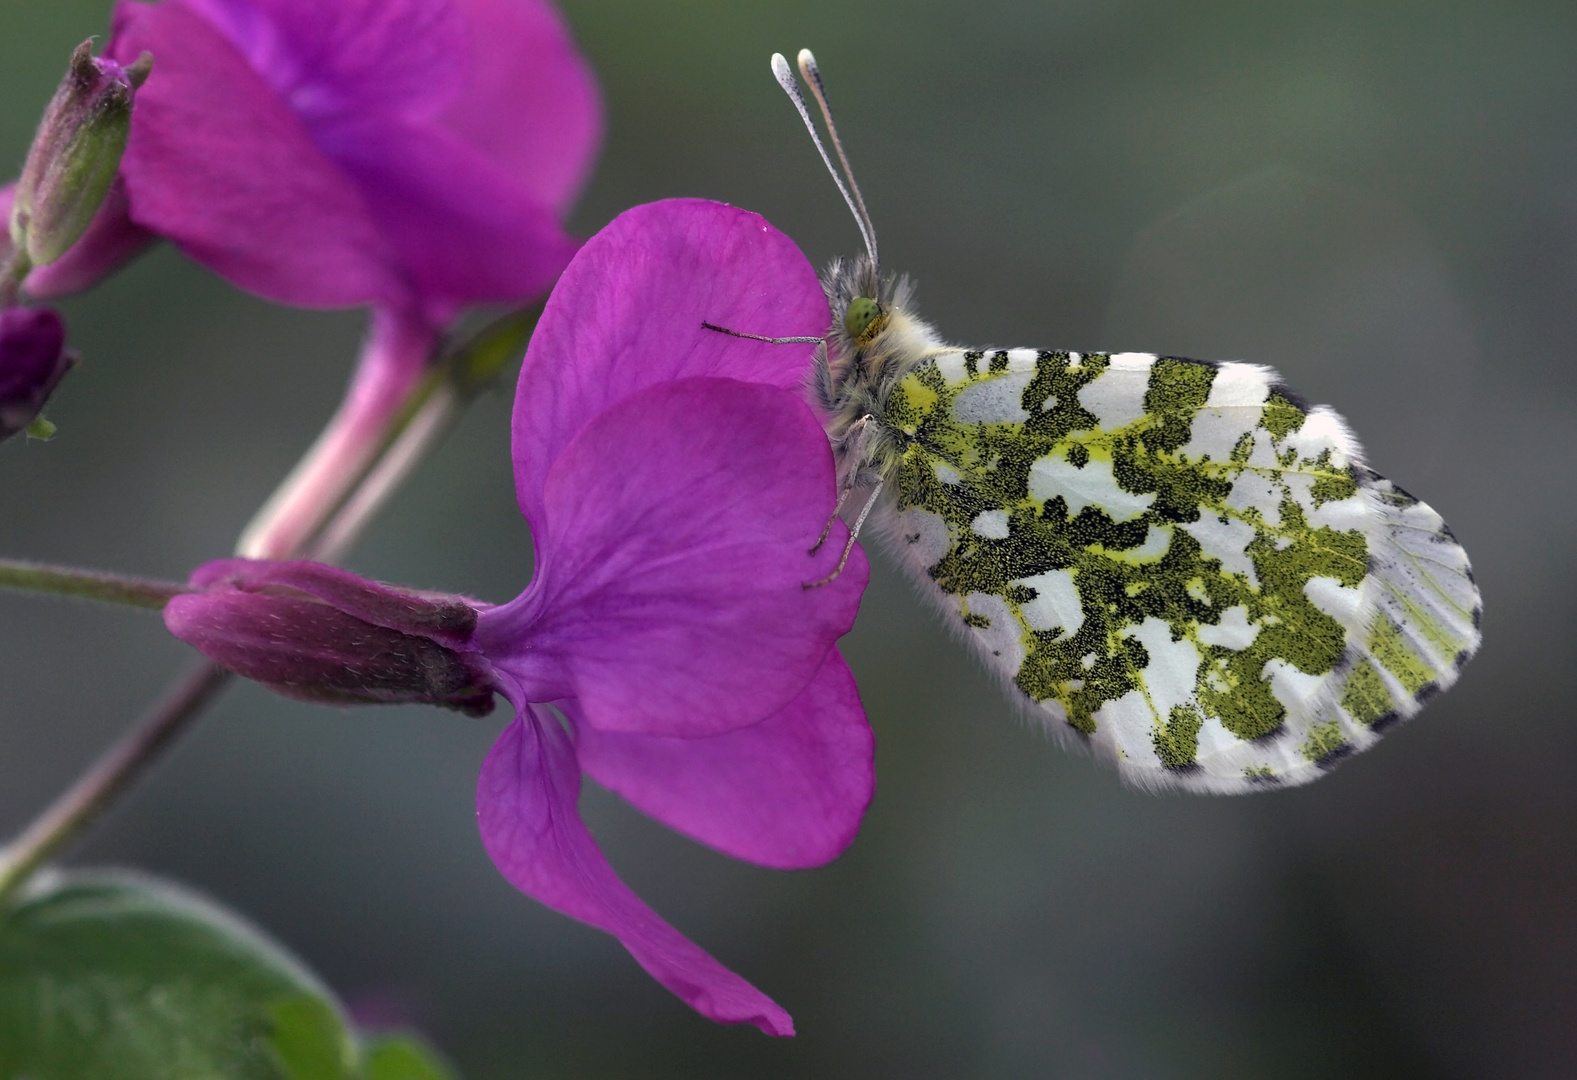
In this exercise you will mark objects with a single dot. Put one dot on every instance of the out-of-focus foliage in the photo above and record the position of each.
(128, 978)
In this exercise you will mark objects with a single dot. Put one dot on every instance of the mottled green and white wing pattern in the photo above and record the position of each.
(1182, 562)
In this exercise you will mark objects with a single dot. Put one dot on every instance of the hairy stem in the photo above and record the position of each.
(89, 584)
(318, 513)
(69, 814)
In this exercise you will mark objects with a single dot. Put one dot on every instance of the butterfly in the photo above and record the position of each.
(1183, 565)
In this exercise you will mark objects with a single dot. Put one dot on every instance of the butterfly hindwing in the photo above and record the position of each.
(1184, 563)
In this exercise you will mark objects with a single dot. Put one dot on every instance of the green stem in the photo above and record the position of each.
(426, 415)
(89, 584)
(69, 814)
(13, 270)
(429, 412)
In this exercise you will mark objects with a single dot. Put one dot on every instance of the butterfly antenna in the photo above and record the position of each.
(812, 75)
(785, 77)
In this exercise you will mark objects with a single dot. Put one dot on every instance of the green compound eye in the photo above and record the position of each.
(863, 311)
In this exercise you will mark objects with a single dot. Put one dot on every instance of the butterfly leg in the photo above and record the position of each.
(851, 448)
(757, 337)
(854, 534)
(837, 508)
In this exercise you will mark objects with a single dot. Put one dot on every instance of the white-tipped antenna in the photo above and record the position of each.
(785, 77)
(812, 75)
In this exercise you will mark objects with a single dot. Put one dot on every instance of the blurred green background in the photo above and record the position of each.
(1378, 197)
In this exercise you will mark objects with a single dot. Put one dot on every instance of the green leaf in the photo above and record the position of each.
(309, 1039)
(118, 977)
(403, 1057)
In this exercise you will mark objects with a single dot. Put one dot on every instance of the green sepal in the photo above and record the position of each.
(476, 362)
(40, 429)
(74, 157)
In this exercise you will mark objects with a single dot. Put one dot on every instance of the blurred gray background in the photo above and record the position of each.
(1378, 197)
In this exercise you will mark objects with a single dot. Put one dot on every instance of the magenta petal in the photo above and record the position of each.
(531, 102)
(349, 57)
(219, 163)
(526, 811)
(670, 597)
(628, 311)
(788, 792)
(463, 228)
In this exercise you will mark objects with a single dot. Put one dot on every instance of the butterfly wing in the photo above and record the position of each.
(1182, 564)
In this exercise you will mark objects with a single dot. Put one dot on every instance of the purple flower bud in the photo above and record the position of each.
(33, 360)
(75, 154)
(312, 632)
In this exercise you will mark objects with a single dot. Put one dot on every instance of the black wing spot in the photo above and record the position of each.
(1270, 736)
(1389, 720)
(1328, 761)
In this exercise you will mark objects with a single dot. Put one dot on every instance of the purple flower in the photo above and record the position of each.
(669, 625)
(666, 624)
(411, 155)
(623, 327)
(33, 360)
(407, 154)
(666, 646)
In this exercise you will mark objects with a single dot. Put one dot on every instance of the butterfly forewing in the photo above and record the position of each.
(1182, 562)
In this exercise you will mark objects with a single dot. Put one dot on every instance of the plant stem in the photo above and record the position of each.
(317, 517)
(390, 370)
(90, 584)
(14, 265)
(111, 774)
(430, 423)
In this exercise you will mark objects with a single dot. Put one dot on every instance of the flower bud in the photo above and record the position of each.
(315, 633)
(33, 360)
(75, 154)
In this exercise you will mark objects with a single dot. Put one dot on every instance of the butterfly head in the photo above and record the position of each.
(874, 338)
(864, 319)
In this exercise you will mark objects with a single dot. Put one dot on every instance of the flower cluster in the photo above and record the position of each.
(417, 157)
(667, 646)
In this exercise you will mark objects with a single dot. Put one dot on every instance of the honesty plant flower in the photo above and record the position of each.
(408, 154)
(667, 624)
(667, 645)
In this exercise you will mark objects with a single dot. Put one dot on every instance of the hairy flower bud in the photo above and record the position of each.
(312, 632)
(33, 360)
(75, 154)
